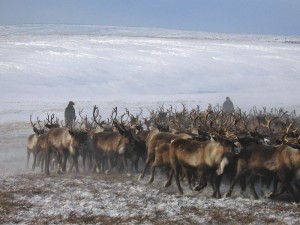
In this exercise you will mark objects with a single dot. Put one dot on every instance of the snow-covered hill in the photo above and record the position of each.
(40, 63)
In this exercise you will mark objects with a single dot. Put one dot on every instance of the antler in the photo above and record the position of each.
(36, 130)
(269, 121)
(32, 124)
(50, 123)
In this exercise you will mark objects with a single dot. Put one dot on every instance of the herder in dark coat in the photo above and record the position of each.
(228, 106)
(70, 114)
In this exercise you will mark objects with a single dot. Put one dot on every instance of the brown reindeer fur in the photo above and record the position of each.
(205, 156)
(155, 140)
(162, 158)
(64, 142)
(41, 147)
(140, 149)
(110, 144)
(31, 142)
(281, 161)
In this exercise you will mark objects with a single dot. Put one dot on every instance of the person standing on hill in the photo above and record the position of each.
(228, 106)
(70, 114)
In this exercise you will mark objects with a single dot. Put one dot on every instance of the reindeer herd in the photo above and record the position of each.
(196, 146)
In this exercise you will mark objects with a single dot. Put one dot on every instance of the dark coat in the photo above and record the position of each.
(228, 106)
(70, 114)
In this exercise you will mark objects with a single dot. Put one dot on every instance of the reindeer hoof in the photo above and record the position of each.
(216, 196)
(167, 184)
(198, 188)
(227, 195)
(269, 195)
(150, 180)
(218, 172)
(141, 177)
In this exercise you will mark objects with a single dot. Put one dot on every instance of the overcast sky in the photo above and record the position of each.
(279, 17)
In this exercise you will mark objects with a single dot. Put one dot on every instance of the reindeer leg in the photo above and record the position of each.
(149, 159)
(287, 186)
(215, 181)
(124, 161)
(28, 157)
(239, 176)
(152, 173)
(265, 185)
(64, 162)
(71, 166)
(34, 161)
(275, 184)
(42, 163)
(251, 183)
(60, 163)
(277, 193)
(223, 163)
(83, 161)
(218, 184)
(90, 157)
(170, 177)
(48, 153)
(189, 179)
(135, 164)
(233, 183)
(176, 172)
(103, 163)
(202, 182)
(75, 161)
(243, 182)
(109, 160)
(95, 162)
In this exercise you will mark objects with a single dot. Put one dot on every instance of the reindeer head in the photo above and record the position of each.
(233, 145)
(37, 131)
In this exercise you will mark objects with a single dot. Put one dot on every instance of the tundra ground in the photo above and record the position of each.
(33, 198)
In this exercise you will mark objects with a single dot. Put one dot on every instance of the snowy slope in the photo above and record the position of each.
(94, 63)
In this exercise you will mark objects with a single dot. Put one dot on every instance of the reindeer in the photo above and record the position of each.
(64, 142)
(154, 141)
(85, 151)
(32, 139)
(208, 157)
(140, 138)
(108, 145)
(40, 147)
(281, 161)
(156, 138)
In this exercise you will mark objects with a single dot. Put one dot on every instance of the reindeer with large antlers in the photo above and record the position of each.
(116, 144)
(32, 139)
(40, 148)
(85, 151)
(64, 142)
(208, 157)
(103, 125)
